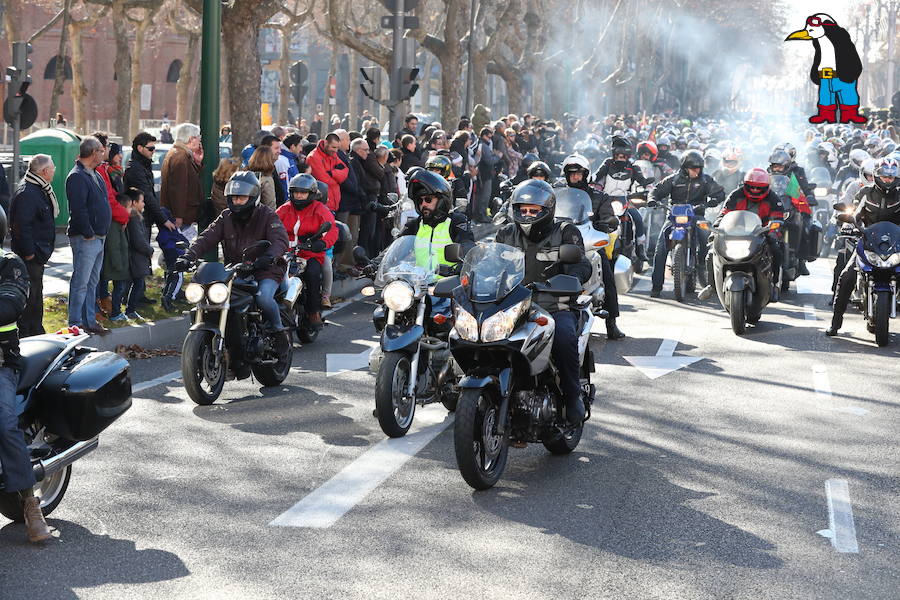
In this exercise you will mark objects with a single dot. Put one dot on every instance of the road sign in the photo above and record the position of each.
(387, 22)
(22, 106)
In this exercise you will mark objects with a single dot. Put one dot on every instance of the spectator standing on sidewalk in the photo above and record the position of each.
(227, 167)
(89, 220)
(140, 254)
(115, 263)
(262, 164)
(181, 191)
(31, 218)
(139, 174)
(107, 172)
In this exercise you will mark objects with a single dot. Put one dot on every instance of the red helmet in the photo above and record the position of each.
(756, 184)
(647, 147)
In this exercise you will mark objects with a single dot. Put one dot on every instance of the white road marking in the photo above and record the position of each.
(324, 506)
(822, 385)
(335, 364)
(809, 312)
(842, 530)
(642, 284)
(817, 282)
(149, 384)
(664, 362)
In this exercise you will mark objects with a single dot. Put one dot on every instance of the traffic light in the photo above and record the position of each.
(371, 82)
(408, 85)
(19, 77)
(299, 74)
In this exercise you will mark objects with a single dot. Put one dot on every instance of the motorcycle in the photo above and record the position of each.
(878, 264)
(412, 364)
(295, 292)
(790, 269)
(824, 195)
(574, 205)
(502, 342)
(683, 247)
(228, 335)
(742, 267)
(66, 396)
(626, 243)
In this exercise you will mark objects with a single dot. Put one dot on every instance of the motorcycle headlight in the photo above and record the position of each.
(465, 324)
(682, 219)
(821, 192)
(500, 325)
(891, 260)
(737, 249)
(193, 292)
(398, 296)
(217, 293)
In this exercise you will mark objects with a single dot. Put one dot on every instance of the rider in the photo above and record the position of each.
(532, 208)
(302, 217)
(18, 477)
(780, 163)
(242, 224)
(576, 170)
(878, 202)
(689, 185)
(539, 170)
(730, 176)
(754, 195)
(664, 145)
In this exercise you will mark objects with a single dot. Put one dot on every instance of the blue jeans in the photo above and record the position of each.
(130, 291)
(265, 298)
(87, 261)
(17, 473)
(834, 91)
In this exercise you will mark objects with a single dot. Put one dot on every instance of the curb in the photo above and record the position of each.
(169, 333)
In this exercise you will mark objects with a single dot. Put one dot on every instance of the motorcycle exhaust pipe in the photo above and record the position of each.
(45, 468)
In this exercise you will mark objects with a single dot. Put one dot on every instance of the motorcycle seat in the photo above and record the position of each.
(37, 354)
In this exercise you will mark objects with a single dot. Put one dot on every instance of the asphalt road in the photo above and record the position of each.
(706, 482)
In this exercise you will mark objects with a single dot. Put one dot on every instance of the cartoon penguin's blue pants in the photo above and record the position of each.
(834, 91)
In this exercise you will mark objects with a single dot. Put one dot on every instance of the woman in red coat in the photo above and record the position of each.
(302, 217)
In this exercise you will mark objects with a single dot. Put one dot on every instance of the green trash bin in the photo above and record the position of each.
(61, 145)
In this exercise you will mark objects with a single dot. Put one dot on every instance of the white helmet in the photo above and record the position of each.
(857, 157)
(867, 169)
(576, 160)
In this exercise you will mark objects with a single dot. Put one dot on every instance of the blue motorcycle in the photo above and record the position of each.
(878, 263)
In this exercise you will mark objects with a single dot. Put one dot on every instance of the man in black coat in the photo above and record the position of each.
(32, 213)
(139, 174)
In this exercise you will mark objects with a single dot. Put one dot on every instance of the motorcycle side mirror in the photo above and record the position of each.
(839, 206)
(393, 197)
(845, 218)
(360, 257)
(452, 253)
(711, 203)
(570, 254)
(444, 288)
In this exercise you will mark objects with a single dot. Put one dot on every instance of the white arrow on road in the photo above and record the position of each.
(335, 364)
(664, 362)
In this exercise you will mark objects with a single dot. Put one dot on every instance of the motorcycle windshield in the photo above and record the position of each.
(779, 184)
(882, 238)
(573, 205)
(492, 270)
(821, 177)
(646, 167)
(415, 263)
(740, 223)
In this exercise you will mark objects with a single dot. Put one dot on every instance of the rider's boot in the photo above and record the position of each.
(655, 292)
(803, 269)
(612, 330)
(35, 525)
(315, 320)
(705, 293)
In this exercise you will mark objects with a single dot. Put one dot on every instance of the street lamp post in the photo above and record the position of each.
(209, 98)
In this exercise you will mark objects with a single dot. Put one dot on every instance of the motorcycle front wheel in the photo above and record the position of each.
(203, 380)
(51, 491)
(881, 317)
(481, 452)
(394, 408)
(738, 311)
(679, 268)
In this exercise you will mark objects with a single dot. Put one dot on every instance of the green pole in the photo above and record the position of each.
(209, 99)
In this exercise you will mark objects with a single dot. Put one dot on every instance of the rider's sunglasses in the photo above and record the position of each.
(529, 212)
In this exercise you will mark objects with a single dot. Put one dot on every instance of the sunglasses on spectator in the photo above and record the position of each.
(151, 148)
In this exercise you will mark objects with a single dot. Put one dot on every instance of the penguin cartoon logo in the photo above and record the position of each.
(835, 69)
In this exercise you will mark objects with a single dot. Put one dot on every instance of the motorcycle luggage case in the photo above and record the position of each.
(89, 392)
(812, 242)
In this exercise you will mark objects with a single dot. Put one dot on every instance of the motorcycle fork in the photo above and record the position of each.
(414, 364)
(223, 320)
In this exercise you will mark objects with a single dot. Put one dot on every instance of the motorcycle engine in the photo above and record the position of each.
(535, 410)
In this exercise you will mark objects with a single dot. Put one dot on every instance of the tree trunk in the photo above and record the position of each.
(451, 75)
(479, 79)
(79, 91)
(59, 81)
(353, 91)
(12, 22)
(140, 37)
(183, 100)
(123, 66)
(240, 34)
(538, 84)
(426, 85)
(284, 88)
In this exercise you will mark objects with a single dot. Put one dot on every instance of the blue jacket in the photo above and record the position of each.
(31, 223)
(246, 153)
(292, 158)
(89, 211)
(167, 240)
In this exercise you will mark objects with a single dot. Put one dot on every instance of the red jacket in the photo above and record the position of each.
(768, 209)
(120, 214)
(329, 170)
(307, 221)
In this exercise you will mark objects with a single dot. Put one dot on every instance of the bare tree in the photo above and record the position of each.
(184, 21)
(288, 21)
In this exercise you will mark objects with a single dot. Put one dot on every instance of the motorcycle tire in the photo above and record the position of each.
(196, 358)
(395, 414)
(564, 444)
(738, 311)
(50, 490)
(882, 317)
(306, 334)
(476, 413)
(270, 375)
(679, 276)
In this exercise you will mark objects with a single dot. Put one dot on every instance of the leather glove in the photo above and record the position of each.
(369, 270)
(262, 262)
(552, 270)
(182, 264)
(9, 349)
(316, 246)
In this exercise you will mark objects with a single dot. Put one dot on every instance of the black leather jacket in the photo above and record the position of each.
(874, 206)
(683, 190)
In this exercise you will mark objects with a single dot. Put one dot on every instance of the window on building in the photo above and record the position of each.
(174, 73)
(50, 69)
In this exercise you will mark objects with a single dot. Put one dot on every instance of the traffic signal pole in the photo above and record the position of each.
(210, 78)
(396, 64)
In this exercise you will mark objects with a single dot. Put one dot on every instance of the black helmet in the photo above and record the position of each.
(620, 145)
(538, 167)
(780, 157)
(692, 159)
(533, 191)
(442, 165)
(242, 183)
(323, 192)
(427, 183)
(528, 160)
(304, 182)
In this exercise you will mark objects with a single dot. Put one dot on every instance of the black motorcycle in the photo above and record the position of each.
(502, 340)
(295, 291)
(742, 267)
(229, 335)
(66, 396)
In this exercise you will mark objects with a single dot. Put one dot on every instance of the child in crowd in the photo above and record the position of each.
(141, 253)
(115, 261)
(168, 241)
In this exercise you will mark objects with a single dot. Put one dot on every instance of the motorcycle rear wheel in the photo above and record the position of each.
(679, 266)
(480, 453)
(51, 491)
(881, 317)
(270, 375)
(564, 444)
(394, 410)
(202, 380)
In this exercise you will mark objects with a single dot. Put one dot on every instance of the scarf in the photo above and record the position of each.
(39, 181)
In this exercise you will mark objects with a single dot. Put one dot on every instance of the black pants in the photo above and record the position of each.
(845, 284)
(368, 236)
(312, 279)
(611, 301)
(565, 357)
(31, 321)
